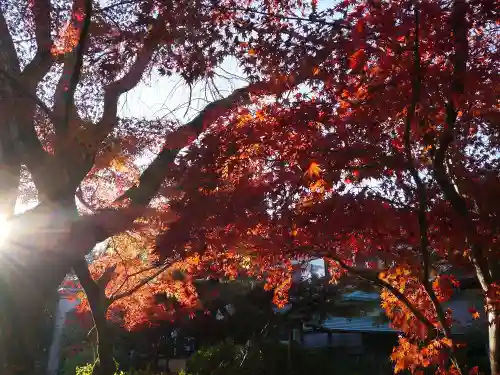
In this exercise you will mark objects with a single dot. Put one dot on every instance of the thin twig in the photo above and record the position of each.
(139, 285)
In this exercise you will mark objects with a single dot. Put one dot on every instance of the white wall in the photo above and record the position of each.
(63, 307)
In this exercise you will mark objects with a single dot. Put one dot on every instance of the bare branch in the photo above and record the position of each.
(117, 4)
(127, 276)
(312, 19)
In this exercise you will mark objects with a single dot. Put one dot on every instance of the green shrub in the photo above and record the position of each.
(84, 370)
(271, 358)
(87, 370)
(227, 358)
(78, 360)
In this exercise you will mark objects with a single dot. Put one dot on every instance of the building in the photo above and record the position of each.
(67, 302)
(371, 329)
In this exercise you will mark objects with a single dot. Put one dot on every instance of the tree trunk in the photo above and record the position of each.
(98, 302)
(32, 265)
(105, 364)
(493, 337)
(44, 243)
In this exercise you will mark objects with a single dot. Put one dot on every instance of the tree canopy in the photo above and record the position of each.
(367, 134)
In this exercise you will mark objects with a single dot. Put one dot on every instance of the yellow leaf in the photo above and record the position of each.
(446, 341)
(260, 115)
(314, 170)
(195, 259)
(119, 164)
(318, 186)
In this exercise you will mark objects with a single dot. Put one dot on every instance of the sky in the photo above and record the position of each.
(168, 97)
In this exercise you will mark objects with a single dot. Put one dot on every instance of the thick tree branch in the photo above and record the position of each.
(459, 25)
(106, 277)
(153, 177)
(114, 90)
(9, 125)
(88, 283)
(98, 304)
(93, 229)
(80, 51)
(24, 87)
(24, 91)
(41, 63)
(422, 191)
(65, 91)
(459, 61)
(32, 150)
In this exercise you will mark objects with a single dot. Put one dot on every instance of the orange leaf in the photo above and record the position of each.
(356, 58)
(119, 164)
(318, 186)
(315, 71)
(476, 315)
(446, 341)
(314, 170)
(360, 26)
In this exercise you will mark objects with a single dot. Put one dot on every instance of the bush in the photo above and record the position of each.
(227, 358)
(76, 360)
(87, 370)
(269, 358)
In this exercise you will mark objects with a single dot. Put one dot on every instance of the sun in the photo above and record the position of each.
(4, 229)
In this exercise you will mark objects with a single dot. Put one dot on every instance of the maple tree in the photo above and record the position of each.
(390, 155)
(63, 67)
(380, 144)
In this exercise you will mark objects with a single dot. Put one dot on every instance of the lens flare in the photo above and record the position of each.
(4, 229)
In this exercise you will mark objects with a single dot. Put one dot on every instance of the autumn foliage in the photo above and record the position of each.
(378, 152)
(367, 135)
(384, 159)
